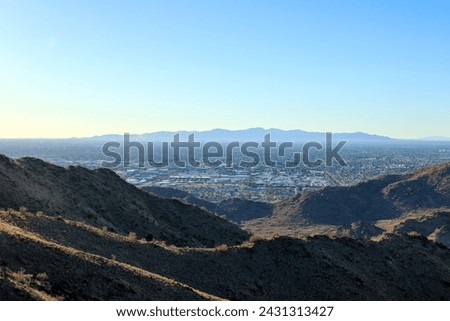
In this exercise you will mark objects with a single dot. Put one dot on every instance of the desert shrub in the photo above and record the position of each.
(254, 238)
(222, 248)
(21, 277)
(42, 277)
(132, 236)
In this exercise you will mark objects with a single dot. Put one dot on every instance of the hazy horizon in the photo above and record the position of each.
(425, 138)
(80, 69)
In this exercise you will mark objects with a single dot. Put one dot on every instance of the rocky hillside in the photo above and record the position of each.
(76, 234)
(53, 258)
(386, 197)
(433, 224)
(103, 199)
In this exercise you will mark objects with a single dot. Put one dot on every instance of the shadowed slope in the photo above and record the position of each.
(74, 274)
(102, 198)
(234, 209)
(395, 268)
(382, 198)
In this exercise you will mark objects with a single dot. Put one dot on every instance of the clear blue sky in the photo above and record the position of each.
(80, 68)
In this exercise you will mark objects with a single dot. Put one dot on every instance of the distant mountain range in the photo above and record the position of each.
(251, 134)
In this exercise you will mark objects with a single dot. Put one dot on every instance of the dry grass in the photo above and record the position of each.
(20, 278)
(35, 286)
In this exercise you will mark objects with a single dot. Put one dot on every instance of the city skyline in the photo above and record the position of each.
(83, 69)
